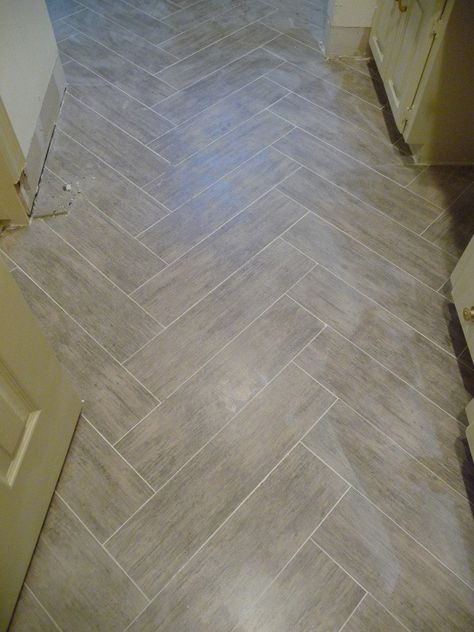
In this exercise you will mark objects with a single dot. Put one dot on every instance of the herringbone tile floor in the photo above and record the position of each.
(247, 283)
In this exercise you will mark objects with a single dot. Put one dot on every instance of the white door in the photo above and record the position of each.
(38, 413)
(401, 40)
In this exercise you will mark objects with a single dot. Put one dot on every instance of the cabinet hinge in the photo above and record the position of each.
(436, 26)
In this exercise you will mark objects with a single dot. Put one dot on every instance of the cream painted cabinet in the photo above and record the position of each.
(38, 413)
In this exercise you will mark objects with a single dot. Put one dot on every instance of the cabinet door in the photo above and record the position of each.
(404, 31)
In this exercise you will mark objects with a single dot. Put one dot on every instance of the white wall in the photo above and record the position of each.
(351, 13)
(28, 53)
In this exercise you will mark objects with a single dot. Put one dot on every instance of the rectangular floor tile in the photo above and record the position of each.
(312, 593)
(119, 108)
(417, 425)
(453, 230)
(382, 156)
(335, 72)
(387, 339)
(354, 177)
(140, 23)
(225, 578)
(134, 81)
(113, 319)
(189, 342)
(443, 184)
(95, 236)
(173, 236)
(190, 278)
(397, 291)
(334, 99)
(198, 172)
(166, 439)
(374, 229)
(200, 12)
(98, 485)
(213, 57)
(114, 195)
(220, 26)
(61, 8)
(217, 120)
(428, 509)
(404, 577)
(114, 400)
(130, 157)
(77, 581)
(220, 84)
(121, 41)
(156, 8)
(62, 29)
(305, 26)
(169, 529)
(370, 616)
(30, 615)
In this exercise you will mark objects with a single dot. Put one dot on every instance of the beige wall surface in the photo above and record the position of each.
(28, 53)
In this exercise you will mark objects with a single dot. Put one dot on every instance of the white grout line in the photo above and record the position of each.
(353, 612)
(412, 537)
(109, 555)
(229, 421)
(35, 598)
(89, 335)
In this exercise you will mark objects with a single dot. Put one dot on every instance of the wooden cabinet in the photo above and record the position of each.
(422, 48)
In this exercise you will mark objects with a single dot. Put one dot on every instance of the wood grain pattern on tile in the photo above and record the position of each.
(189, 279)
(370, 616)
(30, 616)
(404, 577)
(417, 425)
(455, 227)
(167, 438)
(170, 528)
(113, 319)
(114, 401)
(202, 331)
(79, 584)
(225, 578)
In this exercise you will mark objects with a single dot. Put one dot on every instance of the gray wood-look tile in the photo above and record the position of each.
(113, 319)
(169, 529)
(218, 85)
(335, 72)
(220, 26)
(455, 227)
(305, 26)
(387, 339)
(91, 233)
(173, 236)
(135, 81)
(114, 195)
(114, 400)
(62, 29)
(189, 70)
(334, 99)
(77, 581)
(217, 120)
(417, 425)
(203, 11)
(61, 8)
(156, 8)
(29, 616)
(140, 23)
(118, 107)
(442, 184)
(190, 278)
(312, 593)
(419, 306)
(7, 262)
(423, 505)
(195, 337)
(167, 438)
(98, 485)
(370, 616)
(372, 228)
(224, 579)
(387, 159)
(404, 577)
(371, 187)
(127, 155)
(121, 41)
(198, 172)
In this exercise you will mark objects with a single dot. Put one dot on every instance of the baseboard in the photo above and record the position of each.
(346, 41)
(42, 136)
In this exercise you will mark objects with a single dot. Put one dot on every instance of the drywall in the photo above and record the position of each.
(348, 27)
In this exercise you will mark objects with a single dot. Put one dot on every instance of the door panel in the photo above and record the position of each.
(38, 413)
